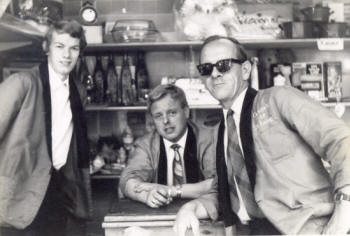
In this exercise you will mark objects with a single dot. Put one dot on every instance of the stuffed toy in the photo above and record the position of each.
(198, 19)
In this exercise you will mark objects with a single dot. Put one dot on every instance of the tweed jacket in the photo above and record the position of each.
(292, 134)
(25, 149)
(144, 162)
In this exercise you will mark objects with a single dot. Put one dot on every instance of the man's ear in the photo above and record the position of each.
(187, 112)
(246, 69)
(45, 46)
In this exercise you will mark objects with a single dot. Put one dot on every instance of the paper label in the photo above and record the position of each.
(330, 44)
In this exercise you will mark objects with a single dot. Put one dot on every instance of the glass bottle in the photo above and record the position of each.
(87, 80)
(100, 80)
(126, 77)
(141, 76)
(112, 79)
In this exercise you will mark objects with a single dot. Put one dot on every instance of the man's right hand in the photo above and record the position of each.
(187, 218)
(157, 197)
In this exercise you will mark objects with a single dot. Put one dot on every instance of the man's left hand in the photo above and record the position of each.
(339, 222)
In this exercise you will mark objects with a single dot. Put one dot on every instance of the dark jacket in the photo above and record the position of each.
(25, 149)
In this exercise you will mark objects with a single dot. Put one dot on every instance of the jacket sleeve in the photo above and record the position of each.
(138, 170)
(207, 158)
(12, 94)
(328, 135)
(210, 200)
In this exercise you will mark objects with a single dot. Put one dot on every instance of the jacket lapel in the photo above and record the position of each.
(79, 124)
(44, 77)
(247, 135)
(190, 157)
(162, 165)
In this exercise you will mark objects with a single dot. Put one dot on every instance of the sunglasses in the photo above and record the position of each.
(222, 66)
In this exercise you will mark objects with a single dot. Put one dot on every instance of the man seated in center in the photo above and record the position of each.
(176, 160)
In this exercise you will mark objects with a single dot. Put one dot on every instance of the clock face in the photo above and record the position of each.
(88, 14)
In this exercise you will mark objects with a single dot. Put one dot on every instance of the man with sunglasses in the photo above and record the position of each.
(271, 178)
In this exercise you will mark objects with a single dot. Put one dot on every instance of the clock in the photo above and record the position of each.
(88, 14)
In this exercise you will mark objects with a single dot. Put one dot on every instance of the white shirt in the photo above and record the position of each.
(237, 109)
(170, 153)
(61, 113)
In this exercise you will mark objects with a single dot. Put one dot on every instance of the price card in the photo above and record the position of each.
(330, 44)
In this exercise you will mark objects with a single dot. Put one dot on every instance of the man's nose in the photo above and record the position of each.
(215, 73)
(165, 119)
(66, 52)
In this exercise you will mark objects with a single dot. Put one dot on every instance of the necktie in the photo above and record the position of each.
(177, 166)
(236, 168)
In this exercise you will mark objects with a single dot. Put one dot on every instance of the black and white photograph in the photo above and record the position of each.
(174, 117)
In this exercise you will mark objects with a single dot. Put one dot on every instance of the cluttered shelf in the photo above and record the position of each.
(140, 108)
(183, 45)
(144, 108)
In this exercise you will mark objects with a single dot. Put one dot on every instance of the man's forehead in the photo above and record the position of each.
(218, 48)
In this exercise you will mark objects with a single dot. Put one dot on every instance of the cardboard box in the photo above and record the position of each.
(311, 77)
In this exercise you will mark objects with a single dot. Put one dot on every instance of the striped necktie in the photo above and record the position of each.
(177, 166)
(236, 169)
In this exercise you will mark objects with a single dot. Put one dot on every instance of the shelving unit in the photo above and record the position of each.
(140, 108)
(184, 45)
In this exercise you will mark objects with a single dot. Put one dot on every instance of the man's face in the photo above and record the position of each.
(170, 118)
(63, 53)
(226, 86)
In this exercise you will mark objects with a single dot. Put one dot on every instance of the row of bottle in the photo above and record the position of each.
(106, 82)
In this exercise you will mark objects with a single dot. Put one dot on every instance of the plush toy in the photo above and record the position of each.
(198, 19)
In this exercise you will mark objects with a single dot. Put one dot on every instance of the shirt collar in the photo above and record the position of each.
(56, 80)
(181, 142)
(237, 104)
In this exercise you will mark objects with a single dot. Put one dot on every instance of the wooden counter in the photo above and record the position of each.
(156, 222)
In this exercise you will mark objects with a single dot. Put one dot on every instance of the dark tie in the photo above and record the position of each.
(236, 168)
(177, 166)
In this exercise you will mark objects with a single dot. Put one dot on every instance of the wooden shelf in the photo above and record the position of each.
(144, 108)
(184, 45)
(140, 108)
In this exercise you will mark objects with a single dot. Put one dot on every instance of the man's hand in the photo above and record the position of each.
(158, 196)
(186, 218)
(339, 222)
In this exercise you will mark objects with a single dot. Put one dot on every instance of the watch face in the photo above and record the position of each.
(89, 14)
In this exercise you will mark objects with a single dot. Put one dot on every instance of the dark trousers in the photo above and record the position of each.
(257, 227)
(52, 219)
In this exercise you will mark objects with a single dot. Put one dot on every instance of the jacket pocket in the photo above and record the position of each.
(274, 140)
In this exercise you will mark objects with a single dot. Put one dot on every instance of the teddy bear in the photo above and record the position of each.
(198, 19)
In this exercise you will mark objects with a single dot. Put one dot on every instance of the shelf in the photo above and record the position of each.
(184, 45)
(140, 108)
(144, 108)
(16, 33)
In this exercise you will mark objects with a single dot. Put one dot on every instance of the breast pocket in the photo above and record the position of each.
(272, 138)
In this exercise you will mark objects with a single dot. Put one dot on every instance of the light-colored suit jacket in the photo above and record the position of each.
(291, 134)
(144, 160)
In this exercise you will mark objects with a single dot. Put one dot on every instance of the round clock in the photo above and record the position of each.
(88, 14)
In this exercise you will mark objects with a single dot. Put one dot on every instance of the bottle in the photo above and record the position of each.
(112, 79)
(141, 75)
(87, 80)
(125, 77)
(100, 80)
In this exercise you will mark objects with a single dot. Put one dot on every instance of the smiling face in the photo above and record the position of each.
(225, 87)
(63, 53)
(170, 118)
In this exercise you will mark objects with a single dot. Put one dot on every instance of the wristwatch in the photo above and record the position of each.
(339, 196)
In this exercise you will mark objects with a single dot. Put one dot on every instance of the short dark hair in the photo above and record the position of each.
(71, 27)
(242, 55)
(162, 90)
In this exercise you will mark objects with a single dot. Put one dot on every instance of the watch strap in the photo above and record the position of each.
(341, 197)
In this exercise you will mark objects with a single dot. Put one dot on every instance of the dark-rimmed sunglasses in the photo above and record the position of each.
(222, 66)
